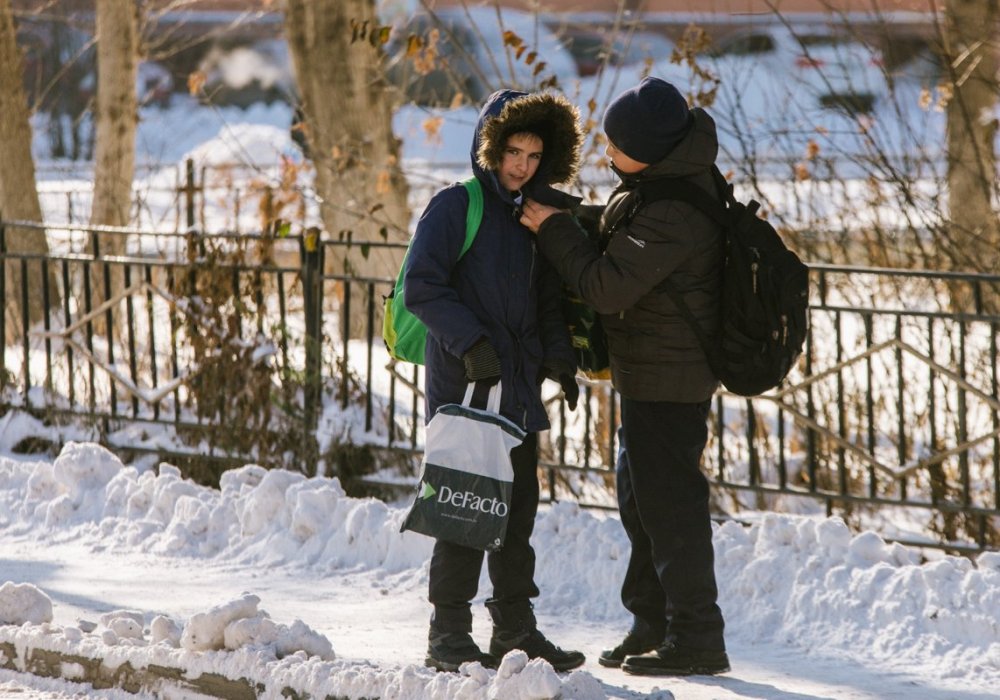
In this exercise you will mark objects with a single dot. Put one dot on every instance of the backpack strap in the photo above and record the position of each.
(723, 186)
(682, 190)
(404, 334)
(474, 214)
(706, 343)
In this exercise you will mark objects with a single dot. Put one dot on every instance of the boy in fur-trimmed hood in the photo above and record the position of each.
(494, 314)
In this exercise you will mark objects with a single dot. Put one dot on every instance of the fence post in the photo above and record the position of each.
(189, 190)
(312, 291)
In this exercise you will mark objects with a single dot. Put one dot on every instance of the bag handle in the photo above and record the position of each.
(492, 402)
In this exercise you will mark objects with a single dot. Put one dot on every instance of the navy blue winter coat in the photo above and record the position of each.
(501, 289)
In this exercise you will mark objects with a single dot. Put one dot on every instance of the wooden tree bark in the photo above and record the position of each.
(18, 194)
(115, 118)
(348, 127)
(971, 50)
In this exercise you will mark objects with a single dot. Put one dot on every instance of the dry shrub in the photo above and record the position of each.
(241, 404)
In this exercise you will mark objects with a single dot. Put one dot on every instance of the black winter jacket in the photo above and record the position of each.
(501, 289)
(654, 354)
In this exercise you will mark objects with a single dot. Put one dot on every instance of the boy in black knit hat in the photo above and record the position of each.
(658, 367)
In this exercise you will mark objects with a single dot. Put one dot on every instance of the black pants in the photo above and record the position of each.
(454, 573)
(663, 499)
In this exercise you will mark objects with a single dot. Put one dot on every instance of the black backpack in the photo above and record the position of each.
(765, 290)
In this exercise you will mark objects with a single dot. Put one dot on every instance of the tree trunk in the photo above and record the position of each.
(348, 126)
(18, 194)
(115, 118)
(972, 124)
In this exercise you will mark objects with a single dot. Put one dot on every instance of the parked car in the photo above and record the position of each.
(589, 50)
(465, 51)
(592, 50)
(822, 61)
(244, 74)
(925, 66)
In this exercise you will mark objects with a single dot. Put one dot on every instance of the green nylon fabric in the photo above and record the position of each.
(404, 334)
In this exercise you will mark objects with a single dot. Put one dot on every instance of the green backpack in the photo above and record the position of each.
(404, 334)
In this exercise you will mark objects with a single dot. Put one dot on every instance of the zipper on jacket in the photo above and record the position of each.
(518, 371)
(754, 267)
(531, 268)
(517, 348)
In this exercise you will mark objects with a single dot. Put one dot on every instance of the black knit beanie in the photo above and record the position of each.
(646, 122)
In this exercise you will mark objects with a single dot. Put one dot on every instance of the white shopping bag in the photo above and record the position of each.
(465, 484)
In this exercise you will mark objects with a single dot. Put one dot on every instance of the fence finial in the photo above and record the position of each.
(311, 239)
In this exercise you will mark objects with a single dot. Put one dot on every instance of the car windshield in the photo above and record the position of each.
(746, 45)
(824, 40)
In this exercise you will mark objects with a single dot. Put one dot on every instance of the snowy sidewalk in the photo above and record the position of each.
(812, 611)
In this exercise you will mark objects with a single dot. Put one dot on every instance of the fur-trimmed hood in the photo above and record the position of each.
(553, 117)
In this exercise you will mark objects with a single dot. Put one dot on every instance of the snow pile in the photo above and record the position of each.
(23, 603)
(798, 581)
(259, 144)
(814, 583)
(240, 642)
(165, 136)
(258, 516)
(239, 623)
(259, 134)
(231, 625)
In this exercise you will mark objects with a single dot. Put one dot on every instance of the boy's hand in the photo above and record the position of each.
(571, 390)
(482, 364)
(565, 374)
(533, 214)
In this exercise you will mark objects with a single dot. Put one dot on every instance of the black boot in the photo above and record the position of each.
(674, 660)
(637, 641)
(536, 646)
(447, 651)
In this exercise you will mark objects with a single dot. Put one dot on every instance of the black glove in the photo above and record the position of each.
(570, 389)
(482, 364)
(562, 372)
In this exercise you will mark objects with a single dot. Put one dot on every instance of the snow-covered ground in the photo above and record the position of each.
(318, 592)
(286, 581)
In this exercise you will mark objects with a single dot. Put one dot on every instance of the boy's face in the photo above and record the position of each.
(521, 156)
(623, 162)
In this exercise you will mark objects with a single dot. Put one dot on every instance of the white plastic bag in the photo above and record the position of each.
(465, 484)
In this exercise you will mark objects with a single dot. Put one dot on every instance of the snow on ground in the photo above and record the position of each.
(28, 687)
(287, 581)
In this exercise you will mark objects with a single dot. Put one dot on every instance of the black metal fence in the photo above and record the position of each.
(238, 348)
